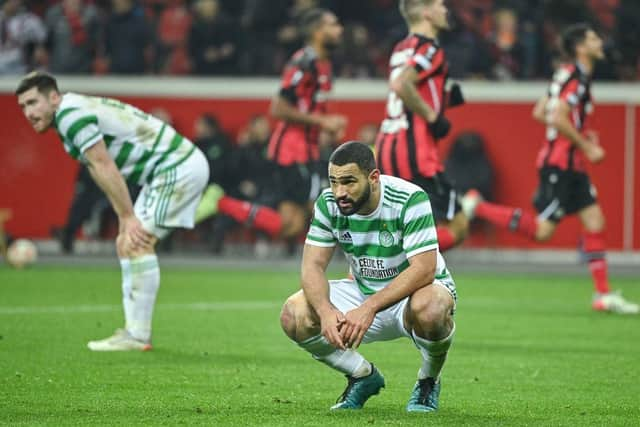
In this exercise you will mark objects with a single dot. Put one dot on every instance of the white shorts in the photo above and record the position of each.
(389, 323)
(171, 198)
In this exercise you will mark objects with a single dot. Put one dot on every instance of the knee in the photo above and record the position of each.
(595, 225)
(544, 233)
(297, 319)
(125, 249)
(431, 313)
(292, 225)
(288, 319)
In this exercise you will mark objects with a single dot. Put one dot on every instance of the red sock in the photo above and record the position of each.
(446, 239)
(515, 219)
(260, 217)
(593, 245)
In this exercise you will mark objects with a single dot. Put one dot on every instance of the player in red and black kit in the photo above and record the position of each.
(301, 107)
(565, 187)
(406, 145)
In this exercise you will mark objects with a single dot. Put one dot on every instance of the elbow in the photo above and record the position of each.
(535, 115)
(397, 85)
(554, 121)
(276, 110)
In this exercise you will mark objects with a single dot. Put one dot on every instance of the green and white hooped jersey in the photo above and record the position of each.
(141, 145)
(379, 245)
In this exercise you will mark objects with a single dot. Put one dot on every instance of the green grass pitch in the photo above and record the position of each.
(528, 351)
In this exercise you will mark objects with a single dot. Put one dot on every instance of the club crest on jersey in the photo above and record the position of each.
(385, 238)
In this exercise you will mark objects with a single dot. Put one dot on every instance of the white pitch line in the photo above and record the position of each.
(102, 308)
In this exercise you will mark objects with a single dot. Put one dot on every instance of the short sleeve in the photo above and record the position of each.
(565, 86)
(320, 231)
(426, 60)
(78, 128)
(419, 231)
(292, 77)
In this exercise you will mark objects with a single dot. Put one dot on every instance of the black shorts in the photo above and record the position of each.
(562, 192)
(300, 183)
(442, 195)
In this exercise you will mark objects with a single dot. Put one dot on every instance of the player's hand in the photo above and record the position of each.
(356, 324)
(134, 233)
(594, 152)
(440, 126)
(331, 322)
(333, 123)
(592, 136)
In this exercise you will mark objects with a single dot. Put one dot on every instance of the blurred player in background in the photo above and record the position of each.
(406, 146)
(118, 141)
(400, 286)
(301, 108)
(564, 187)
(5, 215)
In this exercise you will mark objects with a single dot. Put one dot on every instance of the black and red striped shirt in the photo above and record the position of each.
(572, 85)
(405, 146)
(306, 83)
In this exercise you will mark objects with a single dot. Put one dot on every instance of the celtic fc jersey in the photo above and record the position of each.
(378, 246)
(140, 144)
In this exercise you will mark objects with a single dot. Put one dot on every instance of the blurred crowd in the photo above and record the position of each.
(489, 39)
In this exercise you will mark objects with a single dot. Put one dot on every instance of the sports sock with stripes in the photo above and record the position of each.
(349, 361)
(145, 282)
(593, 245)
(446, 239)
(514, 219)
(434, 354)
(259, 217)
(127, 299)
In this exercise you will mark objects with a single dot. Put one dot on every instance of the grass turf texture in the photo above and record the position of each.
(528, 351)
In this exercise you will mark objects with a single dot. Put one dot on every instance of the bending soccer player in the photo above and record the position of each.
(564, 186)
(415, 119)
(400, 287)
(118, 141)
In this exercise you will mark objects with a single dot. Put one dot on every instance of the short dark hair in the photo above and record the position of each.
(572, 36)
(310, 21)
(354, 152)
(43, 81)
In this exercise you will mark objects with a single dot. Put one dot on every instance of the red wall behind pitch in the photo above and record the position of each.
(36, 176)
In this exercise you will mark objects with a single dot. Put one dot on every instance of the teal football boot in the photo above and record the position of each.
(359, 390)
(424, 397)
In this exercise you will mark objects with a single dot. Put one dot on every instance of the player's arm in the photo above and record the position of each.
(106, 174)
(283, 109)
(404, 85)
(315, 286)
(560, 120)
(420, 273)
(539, 110)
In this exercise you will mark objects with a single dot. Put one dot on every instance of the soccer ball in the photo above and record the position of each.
(22, 253)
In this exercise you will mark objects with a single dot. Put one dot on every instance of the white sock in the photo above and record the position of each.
(349, 361)
(145, 281)
(434, 354)
(127, 298)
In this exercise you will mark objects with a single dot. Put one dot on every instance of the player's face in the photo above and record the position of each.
(38, 108)
(331, 31)
(438, 14)
(593, 45)
(350, 186)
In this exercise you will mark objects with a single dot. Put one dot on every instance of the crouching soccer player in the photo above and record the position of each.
(118, 141)
(400, 286)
